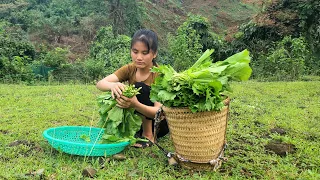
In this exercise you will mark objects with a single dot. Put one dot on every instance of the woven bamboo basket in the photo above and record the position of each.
(199, 137)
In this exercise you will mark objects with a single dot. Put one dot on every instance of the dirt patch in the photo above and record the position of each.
(36, 174)
(231, 32)
(278, 130)
(18, 142)
(119, 157)
(89, 172)
(4, 159)
(78, 46)
(266, 136)
(31, 145)
(258, 124)
(245, 172)
(4, 131)
(280, 148)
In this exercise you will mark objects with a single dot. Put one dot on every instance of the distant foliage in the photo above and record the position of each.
(108, 52)
(93, 69)
(185, 48)
(52, 19)
(113, 50)
(191, 39)
(55, 58)
(126, 16)
(15, 58)
(284, 62)
(13, 41)
(309, 15)
(283, 18)
(15, 69)
(283, 40)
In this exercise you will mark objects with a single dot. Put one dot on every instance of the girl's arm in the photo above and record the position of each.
(111, 83)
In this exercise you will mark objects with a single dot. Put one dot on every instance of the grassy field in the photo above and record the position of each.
(260, 114)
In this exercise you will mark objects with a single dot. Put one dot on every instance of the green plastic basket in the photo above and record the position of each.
(68, 139)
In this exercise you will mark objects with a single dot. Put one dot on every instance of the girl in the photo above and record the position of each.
(144, 49)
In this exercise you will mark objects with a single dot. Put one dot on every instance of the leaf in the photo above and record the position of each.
(116, 115)
(217, 69)
(111, 138)
(165, 95)
(202, 60)
(241, 57)
(85, 137)
(239, 71)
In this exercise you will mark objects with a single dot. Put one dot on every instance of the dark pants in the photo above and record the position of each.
(144, 98)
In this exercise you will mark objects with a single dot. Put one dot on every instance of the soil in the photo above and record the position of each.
(32, 146)
(4, 131)
(279, 131)
(280, 148)
(89, 172)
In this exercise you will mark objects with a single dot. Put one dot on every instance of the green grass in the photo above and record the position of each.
(256, 107)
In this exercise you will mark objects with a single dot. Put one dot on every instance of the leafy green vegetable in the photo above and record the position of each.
(119, 124)
(201, 87)
(85, 137)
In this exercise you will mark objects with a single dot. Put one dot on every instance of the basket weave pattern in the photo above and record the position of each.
(197, 137)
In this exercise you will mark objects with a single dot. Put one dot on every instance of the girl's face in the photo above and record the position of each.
(140, 55)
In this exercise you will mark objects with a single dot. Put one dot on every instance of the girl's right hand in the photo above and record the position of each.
(116, 89)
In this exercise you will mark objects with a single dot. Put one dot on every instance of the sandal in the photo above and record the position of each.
(143, 143)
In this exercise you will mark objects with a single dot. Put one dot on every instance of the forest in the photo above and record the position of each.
(82, 41)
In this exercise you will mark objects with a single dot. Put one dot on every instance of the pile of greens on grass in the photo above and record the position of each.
(119, 124)
(201, 87)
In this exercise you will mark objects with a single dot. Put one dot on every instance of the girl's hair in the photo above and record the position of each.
(148, 37)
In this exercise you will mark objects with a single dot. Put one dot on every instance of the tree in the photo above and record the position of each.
(125, 15)
(113, 50)
(191, 40)
(16, 55)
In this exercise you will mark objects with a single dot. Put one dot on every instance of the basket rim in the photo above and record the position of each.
(96, 145)
(226, 103)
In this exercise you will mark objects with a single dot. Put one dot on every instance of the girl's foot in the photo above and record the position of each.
(145, 142)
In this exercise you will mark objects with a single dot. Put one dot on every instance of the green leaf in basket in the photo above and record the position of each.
(85, 137)
(110, 139)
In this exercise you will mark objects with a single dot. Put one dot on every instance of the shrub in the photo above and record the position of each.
(113, 50)
(185, 47)
(55, 58)
(191, 39)
(93, 70)
(16, 69)
(284, 62)
(15, 57)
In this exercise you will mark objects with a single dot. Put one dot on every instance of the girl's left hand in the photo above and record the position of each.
(125, 102)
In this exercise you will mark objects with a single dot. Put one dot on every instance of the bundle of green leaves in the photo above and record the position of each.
(119, 124)
(203, 86)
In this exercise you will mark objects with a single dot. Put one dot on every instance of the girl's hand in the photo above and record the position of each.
(124, 102)
(116, 90)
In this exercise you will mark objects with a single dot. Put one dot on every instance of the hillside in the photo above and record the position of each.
(74, 24)
(166, 15)
(85, 36)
